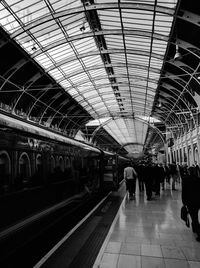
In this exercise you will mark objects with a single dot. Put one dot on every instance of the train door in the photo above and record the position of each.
(52, 164)
(39, 166)
(61, 164)
(108, 175)
(5, 171)
(24, 168)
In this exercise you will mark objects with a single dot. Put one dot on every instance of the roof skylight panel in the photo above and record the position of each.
(140, 56)
(160, 51)
(78, 78)
(117, 58)
(46, 28)
(139, 72)
(105, 88)
(107, 96)
(72, 66)
(109, 14)
(64, 83)
(89, 94)
(44, 61)
(169, 3)
(96, 72)
(92, 61)
(120, 70)
(95, 99)
(72, 91)
(56, 74)
(157, 43)
(114, 42)
(137, 26)
(87, 43)
(110, 24)
(138, 37)
(99, 105)
(132, 46)
(65, 49)
(79, 98)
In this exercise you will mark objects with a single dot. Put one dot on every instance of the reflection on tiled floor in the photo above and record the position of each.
(150, 234)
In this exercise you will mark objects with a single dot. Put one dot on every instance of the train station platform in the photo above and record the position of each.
(149, 234)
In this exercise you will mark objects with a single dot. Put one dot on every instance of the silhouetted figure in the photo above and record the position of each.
(191, 198)
(148, 181)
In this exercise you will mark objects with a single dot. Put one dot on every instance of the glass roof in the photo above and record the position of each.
(107, 55)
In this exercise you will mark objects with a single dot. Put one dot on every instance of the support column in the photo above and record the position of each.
(198, 143)
(192, 147)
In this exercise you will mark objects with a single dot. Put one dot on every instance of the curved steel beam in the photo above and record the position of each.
(100, 33)
(104, 51)
(94, 7)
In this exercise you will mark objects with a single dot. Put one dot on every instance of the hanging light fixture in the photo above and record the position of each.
(177, 55)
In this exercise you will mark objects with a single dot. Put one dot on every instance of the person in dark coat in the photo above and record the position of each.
(197, 169)
(156, 179)
(141, 176)
(191, 198)
(174, 174)
(148, 180)
(167, 174)
(162, 175)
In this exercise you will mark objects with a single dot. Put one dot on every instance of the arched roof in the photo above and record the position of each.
(68, 62)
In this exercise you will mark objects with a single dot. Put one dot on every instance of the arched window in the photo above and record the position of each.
(5, 170)
(24, 166)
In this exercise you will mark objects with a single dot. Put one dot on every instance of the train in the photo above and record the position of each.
(39, 168)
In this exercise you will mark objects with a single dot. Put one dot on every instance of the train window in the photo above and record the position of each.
(24, 166)
(5, 170)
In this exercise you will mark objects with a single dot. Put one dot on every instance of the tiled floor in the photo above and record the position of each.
(150, 234)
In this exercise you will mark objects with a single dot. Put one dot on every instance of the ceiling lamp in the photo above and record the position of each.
(177, 55)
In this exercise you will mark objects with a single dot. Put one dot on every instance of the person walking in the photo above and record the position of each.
(174, 174)
(130, 177)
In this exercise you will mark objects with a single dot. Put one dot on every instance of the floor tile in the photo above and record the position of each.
(113, 247)
(151, 250)
(130, 248)
(109, 261)
(172, 252)
(191, 253)
(129, 261)
(173, 263)
(152, 262)
(194, 264)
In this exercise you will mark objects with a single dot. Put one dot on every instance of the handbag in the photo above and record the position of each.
(185, 215)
